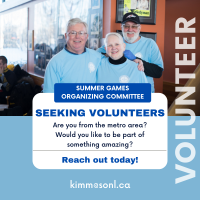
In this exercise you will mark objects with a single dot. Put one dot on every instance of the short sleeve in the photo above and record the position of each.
(156, 57)
(51, 77)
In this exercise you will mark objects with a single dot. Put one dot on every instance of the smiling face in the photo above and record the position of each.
(131, 32)
(115, 47)
(76, 43)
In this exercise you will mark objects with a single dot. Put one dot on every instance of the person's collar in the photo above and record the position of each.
(72, 52)
(117, 62)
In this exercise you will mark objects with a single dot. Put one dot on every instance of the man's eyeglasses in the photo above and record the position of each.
(80, 33)
(131, 27)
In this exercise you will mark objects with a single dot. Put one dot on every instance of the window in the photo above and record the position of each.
(50, 27)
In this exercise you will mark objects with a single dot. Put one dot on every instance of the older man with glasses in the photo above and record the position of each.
(75, 63)
(143, 48)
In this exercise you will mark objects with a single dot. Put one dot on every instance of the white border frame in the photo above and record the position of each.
(92, 17)
(92, 40)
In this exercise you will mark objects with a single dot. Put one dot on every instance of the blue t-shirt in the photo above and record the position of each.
(67, 67)
(147, 50)
(126, 72)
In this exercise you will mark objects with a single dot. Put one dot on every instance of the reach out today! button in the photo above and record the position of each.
(100, 160)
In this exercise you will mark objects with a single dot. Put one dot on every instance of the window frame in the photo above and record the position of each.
(11, 4)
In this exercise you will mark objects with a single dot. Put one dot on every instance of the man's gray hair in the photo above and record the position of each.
(116, 34)
(75, 21)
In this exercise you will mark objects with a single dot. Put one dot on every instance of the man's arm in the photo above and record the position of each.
(129, 55)
(140, 64)
(151, 69)
(51, 77)
(154, 68)
(102, 50)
